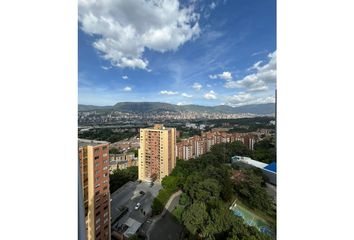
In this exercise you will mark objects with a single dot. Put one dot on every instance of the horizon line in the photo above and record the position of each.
(174, 104)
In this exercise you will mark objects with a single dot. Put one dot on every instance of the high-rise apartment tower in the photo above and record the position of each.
(157, 155)
(94, 170)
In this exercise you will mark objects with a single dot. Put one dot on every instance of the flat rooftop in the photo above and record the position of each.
(249, 161)
(88, 142)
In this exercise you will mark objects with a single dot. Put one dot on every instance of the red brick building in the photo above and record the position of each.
(94, 170)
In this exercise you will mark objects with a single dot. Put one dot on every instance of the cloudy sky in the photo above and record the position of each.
(182, 52)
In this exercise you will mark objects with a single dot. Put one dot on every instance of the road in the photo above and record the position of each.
(167, 226)
(128, 196)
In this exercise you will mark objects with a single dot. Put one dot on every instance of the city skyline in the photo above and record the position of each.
(188, 52)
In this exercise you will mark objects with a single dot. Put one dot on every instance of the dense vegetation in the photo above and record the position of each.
(209, 187)
(249, 187)
(114, 150)
(265, 150)
(120, 177)
(170, 185)
(106, 134)
(186, 132)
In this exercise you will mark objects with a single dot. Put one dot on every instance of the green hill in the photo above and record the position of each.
(156, 107)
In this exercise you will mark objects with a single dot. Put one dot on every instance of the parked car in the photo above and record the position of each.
(137, 206)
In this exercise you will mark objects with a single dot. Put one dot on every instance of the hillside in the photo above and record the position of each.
(156, 107)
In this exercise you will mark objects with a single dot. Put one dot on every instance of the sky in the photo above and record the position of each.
(180, 52)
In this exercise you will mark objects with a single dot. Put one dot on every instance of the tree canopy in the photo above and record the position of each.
(209, 186)
(120, 177)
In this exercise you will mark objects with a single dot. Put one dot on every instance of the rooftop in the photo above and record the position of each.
(88, 142)
(249, 161)
(133, 226)
(272, 167)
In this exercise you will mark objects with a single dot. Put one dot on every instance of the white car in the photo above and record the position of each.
(137, 206)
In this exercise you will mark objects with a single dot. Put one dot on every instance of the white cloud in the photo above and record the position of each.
(124, 29)
(105, 68)
(125, 77)
(210, 95)
(127, 89)
(186, 95)
(243, 98)
(225, 76)
(259, 52)
(212, 5)
(165, 92)
(181, 103)
(264, 76)
(197, 86)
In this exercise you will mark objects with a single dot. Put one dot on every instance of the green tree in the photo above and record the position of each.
(120, 177)
(265, 150)
(251, 190)
(195, 218)
(113, 150)
(207, 190)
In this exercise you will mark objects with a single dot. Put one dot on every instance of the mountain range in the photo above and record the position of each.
(156, 107)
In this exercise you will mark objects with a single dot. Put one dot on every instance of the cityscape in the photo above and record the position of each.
(177, 120)
(138, 194)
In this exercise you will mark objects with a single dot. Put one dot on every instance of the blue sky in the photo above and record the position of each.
(180, 52)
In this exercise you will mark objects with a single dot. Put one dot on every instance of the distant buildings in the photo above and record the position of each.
(157, 155)
(197, 145)
(94, 175)
(122, 161)
(93, 117)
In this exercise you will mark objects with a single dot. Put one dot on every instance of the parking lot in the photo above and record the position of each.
(127, 197)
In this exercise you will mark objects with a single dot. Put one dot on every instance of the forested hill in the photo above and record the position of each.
(149, 107)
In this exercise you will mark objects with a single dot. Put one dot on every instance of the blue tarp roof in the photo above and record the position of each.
(272, 167)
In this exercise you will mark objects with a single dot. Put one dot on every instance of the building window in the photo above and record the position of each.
(97, 185)
(96, 193)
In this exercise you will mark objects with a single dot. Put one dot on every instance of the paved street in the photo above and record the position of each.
(128, 196)
(167, 226)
